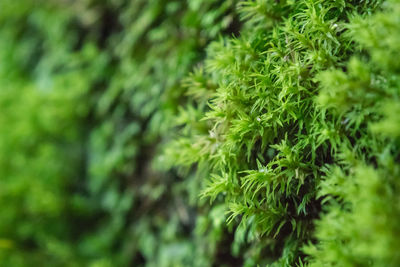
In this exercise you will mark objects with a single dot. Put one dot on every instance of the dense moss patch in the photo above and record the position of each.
(199, 133)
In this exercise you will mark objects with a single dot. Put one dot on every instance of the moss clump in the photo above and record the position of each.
(291, 121)
(281, 148)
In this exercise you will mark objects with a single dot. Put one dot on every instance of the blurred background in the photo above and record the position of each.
(88, 89)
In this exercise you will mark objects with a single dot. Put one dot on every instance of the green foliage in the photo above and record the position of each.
(157, 47)
(89, 89)
(42, 113)
(360, 225)
(282, 116)
(280, 148)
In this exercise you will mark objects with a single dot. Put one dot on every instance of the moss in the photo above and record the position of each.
(199, 133)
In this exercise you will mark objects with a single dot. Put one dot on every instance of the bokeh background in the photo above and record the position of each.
(87, 87)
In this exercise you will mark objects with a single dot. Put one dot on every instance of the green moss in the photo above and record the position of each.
(280, 148)
(272, 115)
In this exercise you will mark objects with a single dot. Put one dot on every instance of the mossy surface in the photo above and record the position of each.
(199, 133)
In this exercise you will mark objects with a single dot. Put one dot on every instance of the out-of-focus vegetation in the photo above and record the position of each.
(279, 149)
(88, 88)
(45, 81)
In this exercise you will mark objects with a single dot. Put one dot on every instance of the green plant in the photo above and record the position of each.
(260, 120)
(44, 85)
(281, 148)
(93, 84)
(361, 191)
